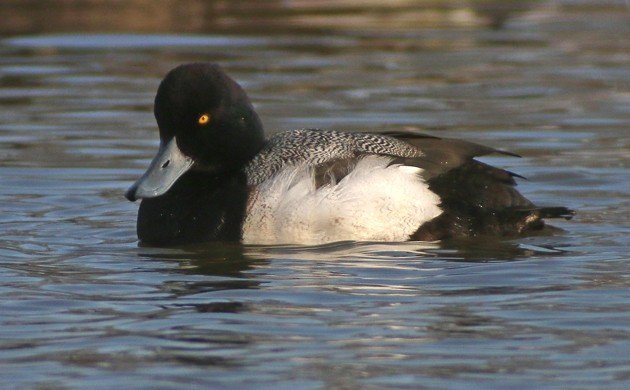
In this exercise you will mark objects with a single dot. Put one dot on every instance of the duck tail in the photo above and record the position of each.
(556, 212)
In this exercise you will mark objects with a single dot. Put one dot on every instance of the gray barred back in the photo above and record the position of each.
(313, 147)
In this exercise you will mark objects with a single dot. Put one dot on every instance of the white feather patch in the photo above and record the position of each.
(374, 202)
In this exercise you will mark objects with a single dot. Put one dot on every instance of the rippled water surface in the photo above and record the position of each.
(82, 305)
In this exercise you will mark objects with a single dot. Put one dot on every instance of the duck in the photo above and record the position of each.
(217, 177)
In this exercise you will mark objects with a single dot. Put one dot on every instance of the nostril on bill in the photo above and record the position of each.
(166, 164)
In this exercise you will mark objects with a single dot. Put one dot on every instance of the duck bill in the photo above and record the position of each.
(167, 166)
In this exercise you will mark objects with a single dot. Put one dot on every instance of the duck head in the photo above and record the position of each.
(206, 122)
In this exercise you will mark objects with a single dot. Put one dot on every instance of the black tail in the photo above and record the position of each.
(477, 200)
(556, 212)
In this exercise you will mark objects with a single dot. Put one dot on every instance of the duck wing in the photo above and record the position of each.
(313, 147)
(440, 155)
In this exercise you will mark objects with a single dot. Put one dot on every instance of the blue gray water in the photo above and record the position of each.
(82, 305)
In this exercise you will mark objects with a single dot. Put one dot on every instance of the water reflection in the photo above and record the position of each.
(225, 264)
(463, 321)
(246, 17)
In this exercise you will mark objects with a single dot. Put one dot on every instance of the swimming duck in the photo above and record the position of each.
(216, 177)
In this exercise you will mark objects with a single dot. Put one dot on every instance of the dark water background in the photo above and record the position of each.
(81, 305)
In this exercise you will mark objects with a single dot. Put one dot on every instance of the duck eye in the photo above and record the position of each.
(204, 119)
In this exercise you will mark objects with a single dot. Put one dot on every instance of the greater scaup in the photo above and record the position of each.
(216, 177)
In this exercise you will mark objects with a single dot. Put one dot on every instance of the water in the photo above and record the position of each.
(82, 305)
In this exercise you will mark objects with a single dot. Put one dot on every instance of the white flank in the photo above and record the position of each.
(375, 202)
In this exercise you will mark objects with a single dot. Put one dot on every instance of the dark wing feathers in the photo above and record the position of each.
(426, 143)
(440, 155)
(332, 171)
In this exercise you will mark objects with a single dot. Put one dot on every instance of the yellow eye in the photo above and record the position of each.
(204, 119)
